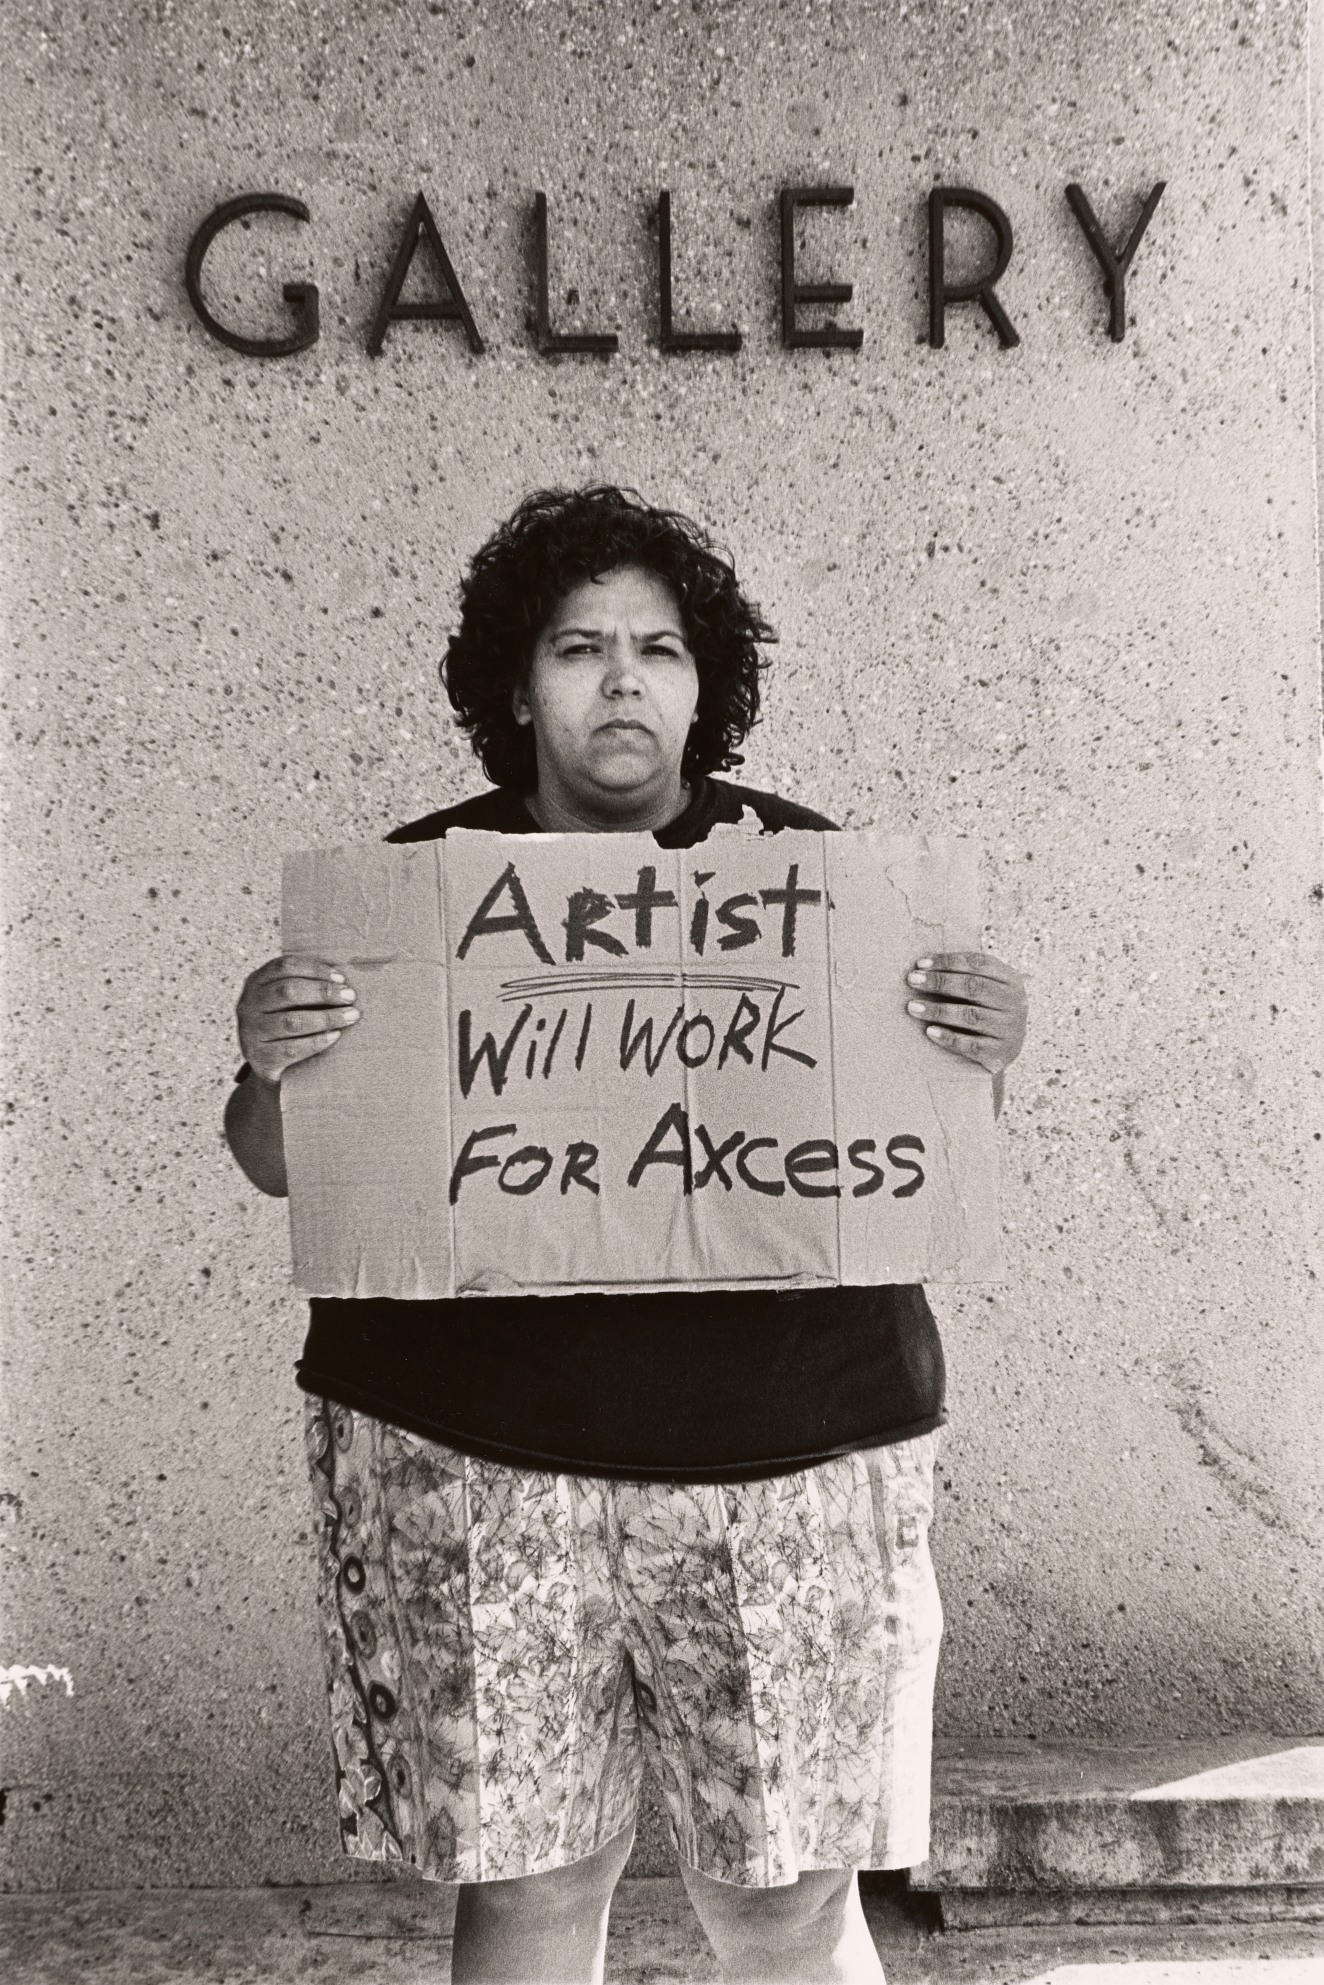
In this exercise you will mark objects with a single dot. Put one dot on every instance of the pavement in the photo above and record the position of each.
(1194, 1863)
(397, 1932)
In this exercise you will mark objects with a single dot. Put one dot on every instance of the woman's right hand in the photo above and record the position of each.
(289, 1009)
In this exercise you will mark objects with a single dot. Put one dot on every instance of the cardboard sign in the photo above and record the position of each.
(589, 1062)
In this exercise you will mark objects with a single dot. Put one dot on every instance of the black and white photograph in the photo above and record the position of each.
(663, 939)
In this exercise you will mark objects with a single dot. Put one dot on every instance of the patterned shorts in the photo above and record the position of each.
(506, 1649)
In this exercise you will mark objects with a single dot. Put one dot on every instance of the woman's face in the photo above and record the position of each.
(611, 694)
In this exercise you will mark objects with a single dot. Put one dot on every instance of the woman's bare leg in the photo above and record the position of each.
(810, 1931)
(540, 1929)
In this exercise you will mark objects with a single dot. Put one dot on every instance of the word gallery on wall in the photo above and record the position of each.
(980, 289)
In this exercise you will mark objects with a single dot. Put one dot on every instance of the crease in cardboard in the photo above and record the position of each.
(829, 949)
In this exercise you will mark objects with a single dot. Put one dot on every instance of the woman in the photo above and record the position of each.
(565, 1534)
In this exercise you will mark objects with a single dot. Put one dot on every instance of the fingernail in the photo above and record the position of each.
(935, 1033)
(917, 978)
(350, 1013)
(348, 993)
(915, 1006)
(923, 964)
(338, 975)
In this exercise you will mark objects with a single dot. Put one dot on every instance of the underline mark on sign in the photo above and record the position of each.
(571, 982)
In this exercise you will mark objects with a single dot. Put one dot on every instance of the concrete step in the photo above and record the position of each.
(1216, 1829)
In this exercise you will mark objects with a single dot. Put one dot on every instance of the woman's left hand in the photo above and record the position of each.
(971, 1004)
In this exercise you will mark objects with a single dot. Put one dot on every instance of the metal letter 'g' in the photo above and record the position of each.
(302, 297)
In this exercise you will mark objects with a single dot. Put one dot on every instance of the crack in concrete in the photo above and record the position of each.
(1130, 1132)
(1235, 1470)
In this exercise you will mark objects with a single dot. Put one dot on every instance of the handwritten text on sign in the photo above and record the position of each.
(586, 1061)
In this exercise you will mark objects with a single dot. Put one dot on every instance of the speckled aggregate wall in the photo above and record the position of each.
(1061, 597)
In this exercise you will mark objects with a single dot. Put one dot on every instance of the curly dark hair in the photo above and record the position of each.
(555, 540)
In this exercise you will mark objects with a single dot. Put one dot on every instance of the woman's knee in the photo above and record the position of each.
(810, 1930)
(579, 1889)
(819, 1897)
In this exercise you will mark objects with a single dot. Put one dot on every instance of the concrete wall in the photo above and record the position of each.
(1061, 597)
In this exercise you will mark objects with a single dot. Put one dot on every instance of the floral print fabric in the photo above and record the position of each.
(505, 1650)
